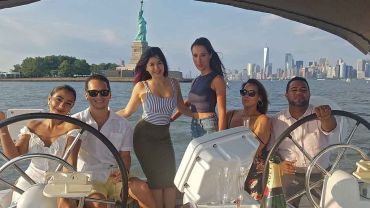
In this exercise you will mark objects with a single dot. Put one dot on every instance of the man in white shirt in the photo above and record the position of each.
(312, 136)
(95, 157)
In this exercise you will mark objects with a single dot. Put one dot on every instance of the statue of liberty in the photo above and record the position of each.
(141, 33)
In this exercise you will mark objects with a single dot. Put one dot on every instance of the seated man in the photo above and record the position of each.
(95, 157)
(312, 136)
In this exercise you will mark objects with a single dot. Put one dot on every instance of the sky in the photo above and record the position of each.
(102, 31)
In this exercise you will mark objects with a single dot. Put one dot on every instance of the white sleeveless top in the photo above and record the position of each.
(36, 145)
(39, 166)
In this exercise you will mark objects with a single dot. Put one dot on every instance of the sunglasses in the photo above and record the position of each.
(250, 93)
(94, 93)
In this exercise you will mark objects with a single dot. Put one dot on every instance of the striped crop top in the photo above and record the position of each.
(158, 110)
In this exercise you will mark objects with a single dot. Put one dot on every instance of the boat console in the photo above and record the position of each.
(209, 172)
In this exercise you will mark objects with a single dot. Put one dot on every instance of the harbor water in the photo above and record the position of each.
(353, 97)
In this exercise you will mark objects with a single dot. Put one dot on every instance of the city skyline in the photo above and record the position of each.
(103, 32)
(316, 69)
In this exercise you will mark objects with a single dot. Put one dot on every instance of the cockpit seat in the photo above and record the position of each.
(342, 189)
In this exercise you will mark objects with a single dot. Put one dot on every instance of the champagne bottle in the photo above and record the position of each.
(273, 195)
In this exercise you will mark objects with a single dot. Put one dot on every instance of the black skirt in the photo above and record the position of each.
(154, 150)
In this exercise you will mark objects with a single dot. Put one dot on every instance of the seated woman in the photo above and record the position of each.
(255, 102)
(44, 136)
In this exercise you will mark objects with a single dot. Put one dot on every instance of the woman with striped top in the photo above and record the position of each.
(159, 95)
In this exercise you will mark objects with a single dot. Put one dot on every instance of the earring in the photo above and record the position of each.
(259, 103)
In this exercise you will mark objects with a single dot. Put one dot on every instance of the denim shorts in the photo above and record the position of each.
(200, 127)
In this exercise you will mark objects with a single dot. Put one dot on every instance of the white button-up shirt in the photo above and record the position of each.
(309, 135)
(94, 156)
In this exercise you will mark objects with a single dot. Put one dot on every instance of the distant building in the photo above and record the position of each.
(361, 68)
(302, 72)
(111, 73)
(342, 69)
(118, 73)
(360, 74)
(332, 72)
(299, 64)
(10, 75)
(280, 73)
(367, 68)
(175, 74)
(251, 70)
(352, 72)
(323, 62)
(309, 72)
(269, 70)
(257, 69)
(265, 62)
(289, 65)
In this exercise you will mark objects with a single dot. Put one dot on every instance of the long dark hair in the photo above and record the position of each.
(215, 62)
(263, 104)
(141, 74)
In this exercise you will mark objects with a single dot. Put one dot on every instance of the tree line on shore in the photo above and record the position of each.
(59, 66)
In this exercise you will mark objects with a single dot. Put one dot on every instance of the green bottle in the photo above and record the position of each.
(273, 195)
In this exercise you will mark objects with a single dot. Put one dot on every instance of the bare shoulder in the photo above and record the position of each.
(69, 126)
(263, 119)
(218, 82)
(219, 79)
(139, 88)
(33, 124)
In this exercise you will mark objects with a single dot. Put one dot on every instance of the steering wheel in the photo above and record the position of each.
(84, 127)
(287, 135)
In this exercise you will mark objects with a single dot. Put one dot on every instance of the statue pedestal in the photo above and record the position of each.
(138, 48)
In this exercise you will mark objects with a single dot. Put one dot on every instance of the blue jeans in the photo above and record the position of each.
(200, 127)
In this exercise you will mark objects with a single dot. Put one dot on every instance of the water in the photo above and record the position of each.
(353, 97)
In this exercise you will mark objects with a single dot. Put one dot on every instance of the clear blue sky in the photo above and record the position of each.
(102, 31)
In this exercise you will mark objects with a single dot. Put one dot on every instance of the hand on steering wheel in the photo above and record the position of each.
(288, 167)
(323, 112)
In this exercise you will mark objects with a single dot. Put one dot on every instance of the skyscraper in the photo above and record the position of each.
(367, 69)
(289, 64)
(250, 70)
(361, 68)
(351, 73)
(265, 61)
(269, 70)
(299, 64)
(342, 69)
